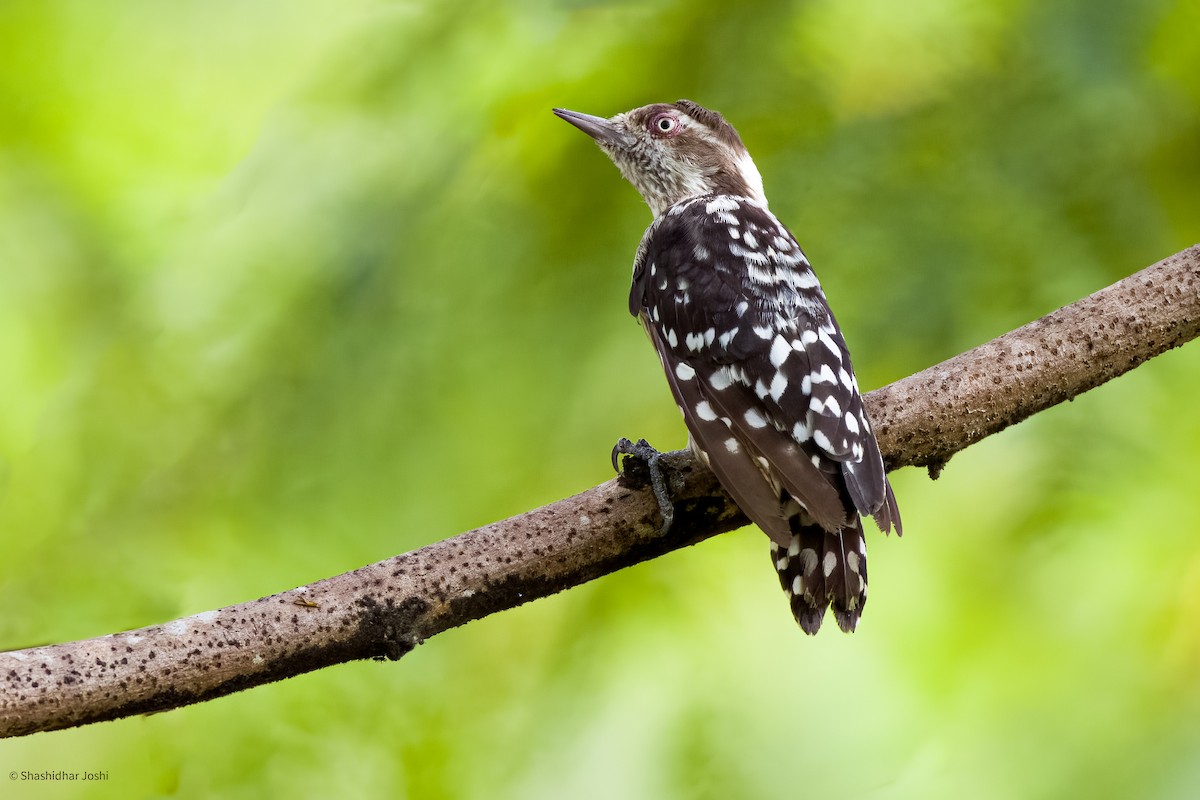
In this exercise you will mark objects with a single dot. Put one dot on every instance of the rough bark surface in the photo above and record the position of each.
(384, 610)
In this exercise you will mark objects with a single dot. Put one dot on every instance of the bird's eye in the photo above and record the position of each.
(665, 125)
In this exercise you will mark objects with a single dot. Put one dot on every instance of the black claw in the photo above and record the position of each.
(644, 452)
(622, 447)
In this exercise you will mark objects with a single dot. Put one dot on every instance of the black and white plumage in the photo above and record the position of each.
(752, 352)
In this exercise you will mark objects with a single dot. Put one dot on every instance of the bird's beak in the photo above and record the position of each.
(599, 128)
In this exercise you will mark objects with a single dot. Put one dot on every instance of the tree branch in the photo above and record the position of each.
(384, 610)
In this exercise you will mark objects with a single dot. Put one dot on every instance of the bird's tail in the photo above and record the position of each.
(821, 569)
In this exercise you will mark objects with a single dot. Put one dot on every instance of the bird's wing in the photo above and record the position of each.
(755, 358)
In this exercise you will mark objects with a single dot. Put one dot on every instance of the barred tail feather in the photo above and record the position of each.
(823, 568)
(848, 593)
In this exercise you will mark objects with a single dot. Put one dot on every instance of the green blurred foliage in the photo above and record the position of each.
(286, 288)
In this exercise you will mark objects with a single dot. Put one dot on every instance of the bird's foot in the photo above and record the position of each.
(641, 466)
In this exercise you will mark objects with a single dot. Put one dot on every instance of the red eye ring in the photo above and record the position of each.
(665, 125)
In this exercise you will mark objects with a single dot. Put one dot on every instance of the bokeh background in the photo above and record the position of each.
(290, 287)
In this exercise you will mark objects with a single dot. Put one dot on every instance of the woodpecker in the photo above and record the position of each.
(753, 355)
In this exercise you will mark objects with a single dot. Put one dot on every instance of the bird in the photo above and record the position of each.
(752, 353)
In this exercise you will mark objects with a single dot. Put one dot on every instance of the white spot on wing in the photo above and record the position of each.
(823, 375)
(780, 350)
(705, 412)
(779, 385)
(755, 419)
(805, 279)
(830, 563)
(721, 379)
(684, 371)
(722, 203)
(764, 276)
(828, 341)
(756, 257)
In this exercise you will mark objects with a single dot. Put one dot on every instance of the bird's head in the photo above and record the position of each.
(673, 151)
